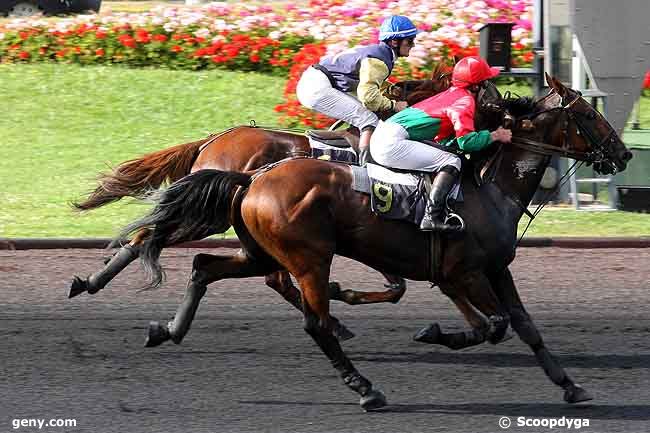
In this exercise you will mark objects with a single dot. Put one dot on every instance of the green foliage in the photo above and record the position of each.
(62, 124)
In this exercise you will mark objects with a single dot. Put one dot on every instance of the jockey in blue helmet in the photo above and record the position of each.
(324, 87)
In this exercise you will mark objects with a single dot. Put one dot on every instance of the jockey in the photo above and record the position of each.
(324, 87)
(446, 118)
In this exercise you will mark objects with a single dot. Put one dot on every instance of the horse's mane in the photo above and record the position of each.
(517, 105)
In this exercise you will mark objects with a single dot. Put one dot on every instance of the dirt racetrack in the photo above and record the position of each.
(247, 365)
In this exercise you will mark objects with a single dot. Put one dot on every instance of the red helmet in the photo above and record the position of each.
(472, 70)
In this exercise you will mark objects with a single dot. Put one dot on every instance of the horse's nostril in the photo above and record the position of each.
(627, 156)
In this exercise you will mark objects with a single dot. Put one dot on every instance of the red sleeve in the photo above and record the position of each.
(461, 114)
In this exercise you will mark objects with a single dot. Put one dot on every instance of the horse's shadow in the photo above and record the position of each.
(504, 359)
(638, 412)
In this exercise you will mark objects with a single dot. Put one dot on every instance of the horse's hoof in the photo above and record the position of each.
(77, 287)
(158, 334)
(373, 400)
(576, 394)
(342, 333)
(430, 334)
(335, 291)
(499, 326)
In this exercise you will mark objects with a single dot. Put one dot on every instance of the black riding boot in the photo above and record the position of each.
(364, 156)
(435, 211)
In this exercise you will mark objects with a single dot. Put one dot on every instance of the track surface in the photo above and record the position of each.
(247, 365)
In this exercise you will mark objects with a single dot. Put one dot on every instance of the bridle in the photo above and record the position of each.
(594, 156)
(598, 147)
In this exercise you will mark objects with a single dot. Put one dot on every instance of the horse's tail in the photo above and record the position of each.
(192, 208)
(138, 177)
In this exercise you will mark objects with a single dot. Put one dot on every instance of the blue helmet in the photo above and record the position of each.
(397, 27)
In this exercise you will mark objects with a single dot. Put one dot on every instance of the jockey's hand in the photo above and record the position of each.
(400, 105)
(502, 135)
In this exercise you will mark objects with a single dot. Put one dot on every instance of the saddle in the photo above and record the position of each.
(340, 139)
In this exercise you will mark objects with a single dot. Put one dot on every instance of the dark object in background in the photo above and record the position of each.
(48, 7)
(633, 198)
(495, 44)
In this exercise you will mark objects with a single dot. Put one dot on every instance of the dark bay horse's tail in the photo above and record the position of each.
(137, 177)
(194, 207)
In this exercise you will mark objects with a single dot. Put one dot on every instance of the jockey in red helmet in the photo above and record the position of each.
(445, 118)
(326, 86)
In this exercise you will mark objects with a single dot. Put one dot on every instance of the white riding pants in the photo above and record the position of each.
(315, 91)
(390, 146)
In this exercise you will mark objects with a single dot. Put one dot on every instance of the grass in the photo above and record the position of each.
(61, 125)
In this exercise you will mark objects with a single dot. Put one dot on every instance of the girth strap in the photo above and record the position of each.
(434, 257)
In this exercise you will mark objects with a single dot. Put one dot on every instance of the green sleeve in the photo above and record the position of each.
(474, 141)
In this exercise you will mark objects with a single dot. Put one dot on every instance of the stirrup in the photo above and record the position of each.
(452, 216)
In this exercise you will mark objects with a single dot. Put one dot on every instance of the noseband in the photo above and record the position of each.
(596, 155)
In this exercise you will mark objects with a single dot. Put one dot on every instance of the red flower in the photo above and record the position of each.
(646, 80)
(254, 58)
(100, 34)
(127, 41)
(142, 36)
(99, 52)
(24, 55)
(176, 48)
(159, 38)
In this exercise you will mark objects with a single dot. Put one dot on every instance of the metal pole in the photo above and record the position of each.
(538, 48)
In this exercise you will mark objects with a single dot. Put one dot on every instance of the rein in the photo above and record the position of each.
(542, 148)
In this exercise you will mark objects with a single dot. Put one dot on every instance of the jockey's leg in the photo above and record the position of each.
(364, 145)
(435, 210)
(315, 91)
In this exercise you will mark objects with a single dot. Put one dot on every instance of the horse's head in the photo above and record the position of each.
(414, 91)
(564, 123)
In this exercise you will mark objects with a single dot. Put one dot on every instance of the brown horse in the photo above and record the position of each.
(299, 214)
(240, 149)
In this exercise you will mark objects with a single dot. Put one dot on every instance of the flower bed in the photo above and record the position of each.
(262, 38)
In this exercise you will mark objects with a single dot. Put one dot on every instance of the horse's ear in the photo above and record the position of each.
(559, 87)
(549, 80)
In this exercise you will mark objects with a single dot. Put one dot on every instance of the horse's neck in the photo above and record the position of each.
(519, 176)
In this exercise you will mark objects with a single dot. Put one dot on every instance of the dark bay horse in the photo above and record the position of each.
(300, 213)
(240, 149)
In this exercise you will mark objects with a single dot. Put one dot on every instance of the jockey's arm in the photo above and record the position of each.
(461, 114)
(372, 75)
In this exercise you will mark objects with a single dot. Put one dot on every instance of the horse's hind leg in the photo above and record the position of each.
(206, 269)
(281, 282)
(396, 288)
(116, 264)
(318, 325)
(527, 331)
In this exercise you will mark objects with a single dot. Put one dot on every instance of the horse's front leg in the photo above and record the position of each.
(396, 288)
(116, 264)
(472, 289)
(281, 282)
(206, 269)
(527, 331)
